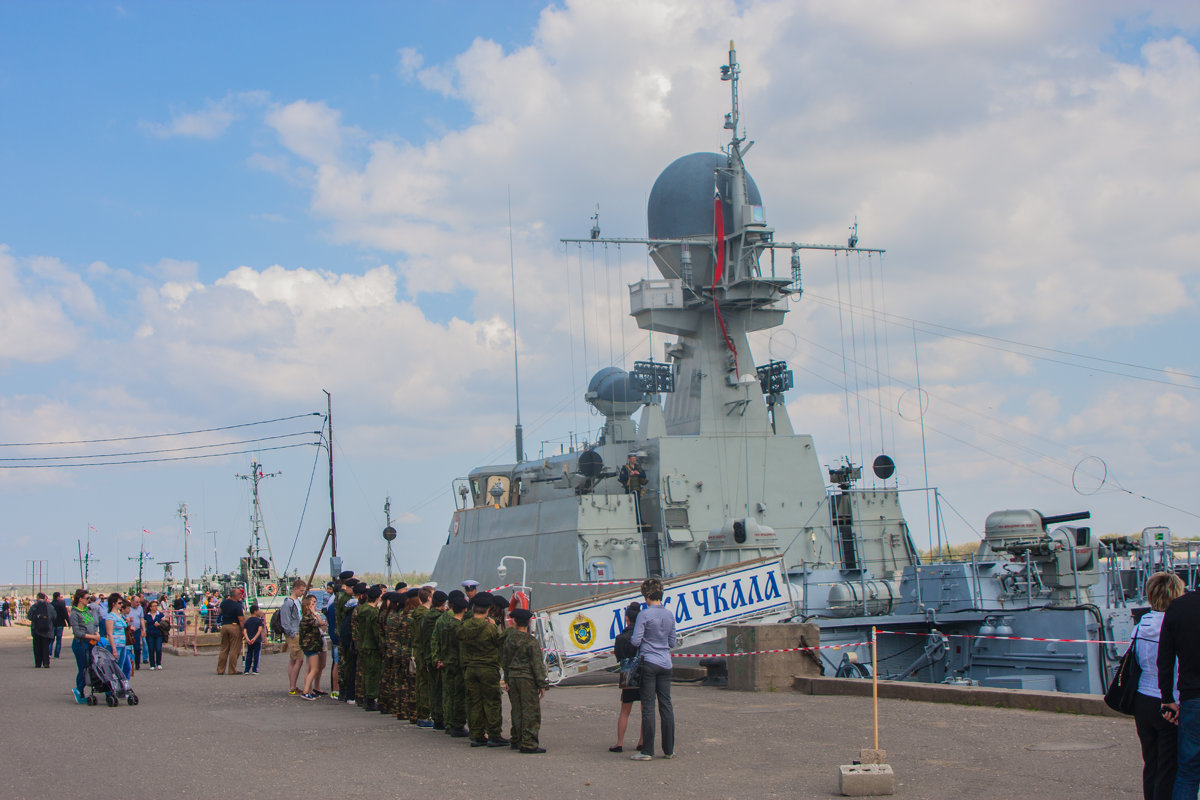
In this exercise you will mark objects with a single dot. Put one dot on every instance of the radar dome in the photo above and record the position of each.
(681, 207)
(615, 392)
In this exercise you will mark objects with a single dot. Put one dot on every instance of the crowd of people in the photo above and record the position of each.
(436, 660)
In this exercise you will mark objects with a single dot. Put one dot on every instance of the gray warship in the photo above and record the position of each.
(730, 487)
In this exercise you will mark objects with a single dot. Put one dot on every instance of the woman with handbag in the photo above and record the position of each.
(623, 650)
(1158, 737)
(157, 625)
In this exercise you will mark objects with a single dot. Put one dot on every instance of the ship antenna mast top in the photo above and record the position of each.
(730, 72)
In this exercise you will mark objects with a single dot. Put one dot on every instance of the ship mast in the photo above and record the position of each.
(255, 477)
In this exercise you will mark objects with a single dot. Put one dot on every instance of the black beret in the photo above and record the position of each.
(521, 615)
(345, 575)
(401, 585)
(374, 593)
(455, 593)
(440, 597)
(482, 600)
(350, 582)
(459, 603)
(360, 588)
(499, 601)
(412, 592)
(392, 597)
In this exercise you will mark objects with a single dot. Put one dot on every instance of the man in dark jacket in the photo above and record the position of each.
(41, 627)
(60, 621)
(1180, 638)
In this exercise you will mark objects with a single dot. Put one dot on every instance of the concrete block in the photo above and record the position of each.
(770, 671)
(867, 756)
(866, 780)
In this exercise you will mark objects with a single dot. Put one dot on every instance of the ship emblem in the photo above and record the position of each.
(583, 632)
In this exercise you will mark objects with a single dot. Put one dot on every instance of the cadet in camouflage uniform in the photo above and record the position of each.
(525, 675)
(477, 641)
(356, 636)
(346, 583)
(429, 645)
(369, 657)
(408, 680)
(453, 689)
(389, 640)
(425, 596)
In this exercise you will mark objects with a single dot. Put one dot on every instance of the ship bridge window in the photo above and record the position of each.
(498, 492)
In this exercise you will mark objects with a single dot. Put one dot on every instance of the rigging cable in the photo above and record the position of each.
(837, 273)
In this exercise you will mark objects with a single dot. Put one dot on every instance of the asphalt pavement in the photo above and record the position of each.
(197, 734)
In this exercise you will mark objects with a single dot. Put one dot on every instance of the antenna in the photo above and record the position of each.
(187, 531)
(141, 559)
(512, 275)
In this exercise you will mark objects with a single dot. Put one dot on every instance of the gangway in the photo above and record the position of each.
(576, 634)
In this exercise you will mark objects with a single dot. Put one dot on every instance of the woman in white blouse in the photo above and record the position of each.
(1156, 734)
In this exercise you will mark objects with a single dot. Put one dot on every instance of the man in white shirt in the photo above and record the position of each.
(289, 620)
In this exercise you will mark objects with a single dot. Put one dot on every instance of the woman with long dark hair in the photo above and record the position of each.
(622, 649)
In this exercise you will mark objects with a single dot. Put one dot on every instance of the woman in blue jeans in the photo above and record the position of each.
(85, 628)
(154, 637)
(654, 634)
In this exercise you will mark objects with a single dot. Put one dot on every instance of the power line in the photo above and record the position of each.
(162, 435)
(158, 460)
(166, 450)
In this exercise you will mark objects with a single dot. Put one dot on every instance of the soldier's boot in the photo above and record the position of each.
(371, 704)
(457, 733)
(437, 726)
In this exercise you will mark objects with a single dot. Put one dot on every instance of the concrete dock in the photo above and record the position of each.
(196, 734)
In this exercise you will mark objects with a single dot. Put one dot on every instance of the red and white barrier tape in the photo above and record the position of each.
(1007, 638)
(585, 583)
(570, 654)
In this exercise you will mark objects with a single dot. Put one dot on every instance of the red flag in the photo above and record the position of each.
(719, 226)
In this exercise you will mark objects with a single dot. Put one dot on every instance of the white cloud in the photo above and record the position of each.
(38, 298)
(211, 121)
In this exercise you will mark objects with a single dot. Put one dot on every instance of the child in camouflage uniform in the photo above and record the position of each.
(525, 675)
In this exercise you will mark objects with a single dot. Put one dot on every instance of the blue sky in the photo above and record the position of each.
(209, 212)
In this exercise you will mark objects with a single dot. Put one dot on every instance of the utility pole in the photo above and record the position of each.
(86, 559)
(389, 534)
(187, 531)
(335, 564)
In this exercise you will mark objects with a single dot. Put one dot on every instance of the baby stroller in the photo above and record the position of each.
(107, 676)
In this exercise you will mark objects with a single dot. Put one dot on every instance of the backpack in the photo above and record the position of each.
(40, 621)
(276, 624)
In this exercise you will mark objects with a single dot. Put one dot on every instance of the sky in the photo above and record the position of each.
(211, 213)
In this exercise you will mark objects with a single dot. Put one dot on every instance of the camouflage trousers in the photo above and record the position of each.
(454, 696)
(372, 667)
(423, 710)
(389, 686)
(483, 694)
(526, 709)
(360, 682)
(436, 709)
(406, 709)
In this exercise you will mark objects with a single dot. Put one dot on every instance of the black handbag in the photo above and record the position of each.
(631, 672)
(1122, 692)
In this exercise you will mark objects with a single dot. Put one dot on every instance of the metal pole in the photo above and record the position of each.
(329, 447)
(875, 686)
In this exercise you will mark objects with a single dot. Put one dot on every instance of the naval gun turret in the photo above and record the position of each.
(1066, 556)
